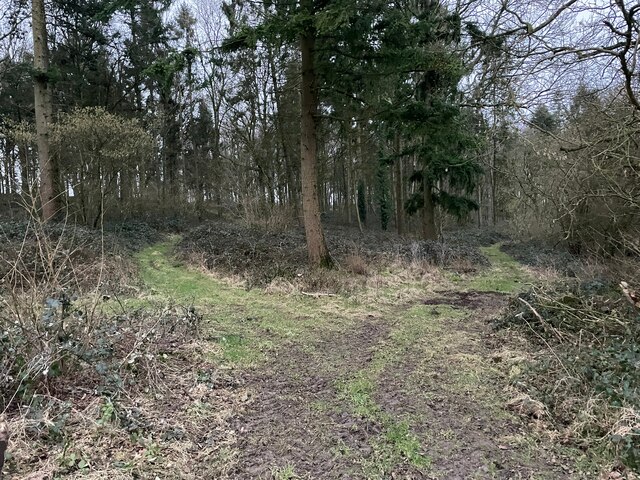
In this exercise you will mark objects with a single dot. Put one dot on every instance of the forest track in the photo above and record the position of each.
(340, 389)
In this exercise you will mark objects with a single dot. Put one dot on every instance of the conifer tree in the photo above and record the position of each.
(417, 49)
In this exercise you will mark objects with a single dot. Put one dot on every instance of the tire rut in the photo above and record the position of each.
(288, 422)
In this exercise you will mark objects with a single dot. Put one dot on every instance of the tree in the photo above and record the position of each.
(316, 244)
(544, 120)
(417, 50)
(383, 193)
(16, 108)
(99, 152)
(299, 22)
(80, 55)
(362, 202)
(49, 182)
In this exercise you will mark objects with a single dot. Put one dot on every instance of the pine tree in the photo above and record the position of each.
(417, 47)
(306, 24)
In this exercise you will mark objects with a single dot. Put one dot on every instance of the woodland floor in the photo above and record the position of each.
(404, 379)
(401, 377)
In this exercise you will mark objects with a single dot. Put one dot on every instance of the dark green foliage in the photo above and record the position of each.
(164, 70)
(16, 101)
(457, 205)
(425, 108)
(362, 201)
(414, 203)
(544, 120)
(80, 58)
(383, 193)
(490, 45)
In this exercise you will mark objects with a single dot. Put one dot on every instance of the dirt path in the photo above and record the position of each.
(337, 388)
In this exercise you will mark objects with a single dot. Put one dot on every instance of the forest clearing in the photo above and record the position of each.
(319, 239)
(393, 366)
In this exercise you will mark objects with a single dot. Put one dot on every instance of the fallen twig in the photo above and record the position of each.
(553, 352)
(542, 320)
(318, 294)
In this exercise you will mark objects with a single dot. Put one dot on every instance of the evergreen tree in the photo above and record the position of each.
(544, 120)
(309, 24)
(383, 193)
(417, 48)
(80, 55)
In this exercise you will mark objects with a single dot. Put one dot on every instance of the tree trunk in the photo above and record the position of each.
(4, 442)
(49, 194)
(429, 230)
(492, 179)
(316, 244)
(25, 168)
(399, 189)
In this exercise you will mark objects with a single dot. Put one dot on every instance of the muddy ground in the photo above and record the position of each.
(401, 377)
(299, 419)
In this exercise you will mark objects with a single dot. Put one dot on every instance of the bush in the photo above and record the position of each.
(70, 257)
(74, 363)
(53, 315)
(259, 257)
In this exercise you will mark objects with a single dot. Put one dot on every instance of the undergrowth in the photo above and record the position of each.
(81, 374)
(587, 369)
(262, 257)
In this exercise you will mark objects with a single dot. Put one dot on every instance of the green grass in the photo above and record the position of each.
(397, 443)
(284, 473)
(358, 392)
(505, 274)
(248, 326)
(236, 349)
(236, 318)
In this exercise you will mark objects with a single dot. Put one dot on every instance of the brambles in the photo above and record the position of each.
(586, 372)
(69, 348)
(259, 257)
(70, 257)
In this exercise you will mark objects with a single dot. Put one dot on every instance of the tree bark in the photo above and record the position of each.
(429, 230)
(316, 244)
(399, 177)
(4, 442)
(49, 194)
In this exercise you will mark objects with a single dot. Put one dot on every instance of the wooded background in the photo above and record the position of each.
(426, 113)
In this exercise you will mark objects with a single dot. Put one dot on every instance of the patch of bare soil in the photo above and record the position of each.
(294, 419)
(462, 421)
(297, 420)
(469, 299)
